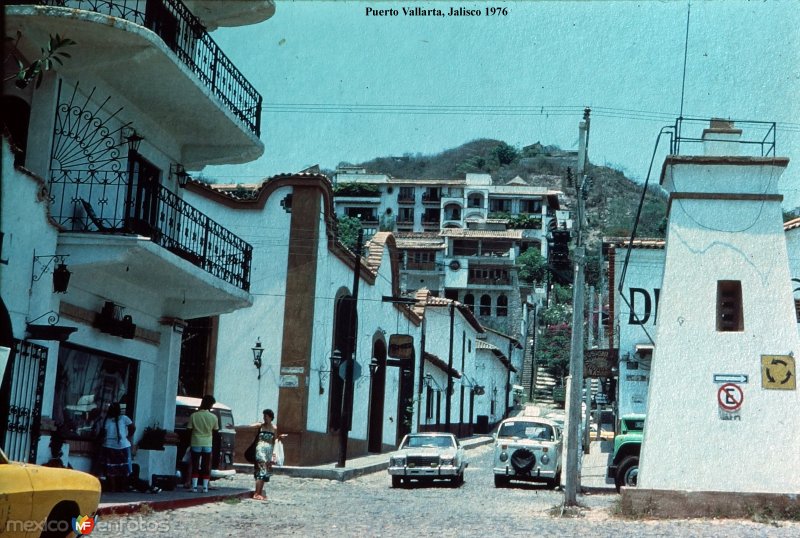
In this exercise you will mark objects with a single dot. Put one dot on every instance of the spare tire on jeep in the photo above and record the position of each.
(523, 460)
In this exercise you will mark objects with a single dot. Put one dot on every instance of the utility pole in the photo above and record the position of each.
(349, 358)
(572, 479)
(449, 370)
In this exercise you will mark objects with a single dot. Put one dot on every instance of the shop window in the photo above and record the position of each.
(87, 382)
(729, 306)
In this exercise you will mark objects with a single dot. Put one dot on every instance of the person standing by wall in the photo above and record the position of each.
(117, 433)
(267, 436)
(203, 423)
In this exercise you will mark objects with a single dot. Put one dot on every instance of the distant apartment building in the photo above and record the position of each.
(459, 238)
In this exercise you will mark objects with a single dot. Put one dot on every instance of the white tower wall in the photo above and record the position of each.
(725, 223)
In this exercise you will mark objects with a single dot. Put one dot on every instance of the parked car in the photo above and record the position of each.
(428, 457)
(624, 468)
(527, 449)
(223, 440)
(33, 494)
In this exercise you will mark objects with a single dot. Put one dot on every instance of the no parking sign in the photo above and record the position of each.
(730, 397)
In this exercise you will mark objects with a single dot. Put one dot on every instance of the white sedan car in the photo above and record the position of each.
(427, 457)
(528, 449)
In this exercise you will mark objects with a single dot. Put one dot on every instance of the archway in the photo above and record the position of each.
(344, 317)
(376, 398)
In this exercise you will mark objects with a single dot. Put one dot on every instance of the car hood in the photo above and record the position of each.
(447, 453)
(527, 442)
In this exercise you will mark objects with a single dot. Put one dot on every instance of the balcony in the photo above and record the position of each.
(406, 199)
(175, 72)
(421, 266)
(107, 202)
(431, 198)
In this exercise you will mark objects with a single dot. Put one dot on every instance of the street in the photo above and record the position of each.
(368, 506)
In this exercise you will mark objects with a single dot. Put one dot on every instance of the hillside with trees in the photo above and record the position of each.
(612, 199)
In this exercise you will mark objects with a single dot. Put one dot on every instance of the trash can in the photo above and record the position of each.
(482, 424)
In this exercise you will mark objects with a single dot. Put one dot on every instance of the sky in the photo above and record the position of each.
(340, 85)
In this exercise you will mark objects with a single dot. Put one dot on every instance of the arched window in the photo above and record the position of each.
(469, 300)
(502, 306)
(486, 305)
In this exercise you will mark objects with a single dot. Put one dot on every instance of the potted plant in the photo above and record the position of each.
(153, 438)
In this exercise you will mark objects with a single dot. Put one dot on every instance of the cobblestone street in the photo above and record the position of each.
(368, 506)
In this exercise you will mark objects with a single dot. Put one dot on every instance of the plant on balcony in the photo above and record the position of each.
(526, 222)
(356, 189)
(35, 70)
(499, 215)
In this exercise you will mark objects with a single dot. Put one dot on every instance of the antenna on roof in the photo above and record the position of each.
(685, 53)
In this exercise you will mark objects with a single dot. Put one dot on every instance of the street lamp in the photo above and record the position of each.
(373, 366)
(336, 361)
(258, 351)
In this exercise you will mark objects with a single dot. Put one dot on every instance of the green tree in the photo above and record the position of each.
(505, 154)
(554, 347)
(531, 266)
(347, 231)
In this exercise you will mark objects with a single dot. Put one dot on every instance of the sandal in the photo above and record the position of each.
(258, 497)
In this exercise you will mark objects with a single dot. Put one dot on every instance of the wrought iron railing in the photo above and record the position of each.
(759, 136)
(107, 202)
(186, 36)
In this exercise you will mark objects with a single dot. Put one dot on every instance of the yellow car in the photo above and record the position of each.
(43, 501)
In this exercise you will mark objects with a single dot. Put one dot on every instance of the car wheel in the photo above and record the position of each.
(628, 474)
(397, 481)
(457, 480)
(500, 481)
(59, 521)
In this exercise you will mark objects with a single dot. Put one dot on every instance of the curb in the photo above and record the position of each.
(132, 507)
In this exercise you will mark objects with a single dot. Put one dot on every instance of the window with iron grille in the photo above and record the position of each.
(729, 306)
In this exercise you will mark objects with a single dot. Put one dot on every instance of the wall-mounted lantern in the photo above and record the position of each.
(258, 351)
(61, 274)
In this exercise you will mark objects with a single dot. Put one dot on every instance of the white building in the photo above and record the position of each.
(723, 371)
(634, 312)
(101, 148)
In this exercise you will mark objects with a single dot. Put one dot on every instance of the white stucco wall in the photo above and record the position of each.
(236, 383)
(641, 289)
(689, 442)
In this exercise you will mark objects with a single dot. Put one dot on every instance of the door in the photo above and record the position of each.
(142, 202)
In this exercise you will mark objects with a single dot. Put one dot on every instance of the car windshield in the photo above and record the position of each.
(428, 441)
(527, 430)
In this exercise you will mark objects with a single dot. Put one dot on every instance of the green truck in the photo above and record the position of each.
(624, 468)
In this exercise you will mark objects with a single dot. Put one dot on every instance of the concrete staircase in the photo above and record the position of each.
(543, 390)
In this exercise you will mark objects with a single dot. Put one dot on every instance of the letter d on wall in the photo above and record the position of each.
(632, 319)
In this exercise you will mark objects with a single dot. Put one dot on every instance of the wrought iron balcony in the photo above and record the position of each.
(107, 201)
(186, 36)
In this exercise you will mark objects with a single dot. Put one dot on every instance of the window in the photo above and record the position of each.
(500, 205)
(87, 382)
(406, 194)
(475, 201)
(729, 306)
(502, 306)
(486, 305)
(406, 214)
(469, 301)
(429, 403)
